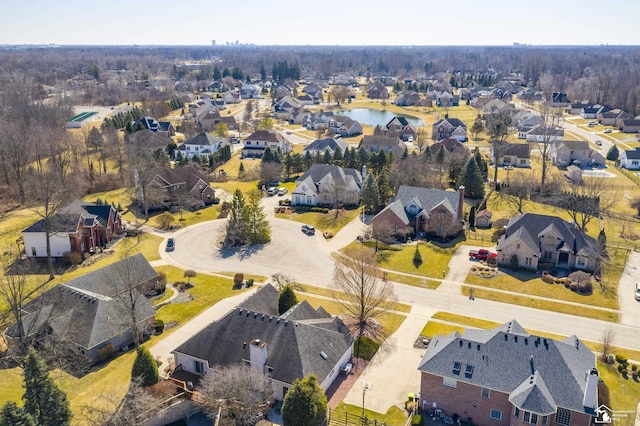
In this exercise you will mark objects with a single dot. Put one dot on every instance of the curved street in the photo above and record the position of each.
(309, 260)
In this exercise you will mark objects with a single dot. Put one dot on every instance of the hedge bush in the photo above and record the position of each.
(622, 359)
(416, 420)
(365, 348)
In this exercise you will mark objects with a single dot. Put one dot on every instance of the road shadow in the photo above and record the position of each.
(242, 252)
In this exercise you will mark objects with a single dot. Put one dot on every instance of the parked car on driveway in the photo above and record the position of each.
(272, 191)
(599, 143)
(282, 191)
(171, 245)
(482, 254)
(638, 292)
(608, 131)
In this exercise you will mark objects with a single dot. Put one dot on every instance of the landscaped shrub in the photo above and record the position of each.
(416, 420)
(327, 234)
(622, 359)
(238, 279)
(75, 258)
(634, 367)
(548, 278)
(159, 326)
(513, 262)
(365, 348)
(621, 368)
(497, 234)
(573, 286)
(586, 287)
(492, 261)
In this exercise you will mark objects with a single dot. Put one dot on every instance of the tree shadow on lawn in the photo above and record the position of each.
(522, 276)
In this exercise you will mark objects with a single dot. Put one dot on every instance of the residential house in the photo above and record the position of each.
(80, 227)
(326, 185)
(166, 128)
(610, 118)
(400, 126)
(285, 347)
(512, 154)
(579, 153)
(559, 99)
(591, 112)
(285, 106)
(203, 145)
(433, 211)
(258, 141)
(250, 91)
(630, 159)
(449, 128)
(319, 120)
(92, 313)
(446, 99)
(529, 95)
(320, 146)
(306, 99)
(628, 125)
(376, 143)
(576, 108)
(344, 126)
(537, 240)
(208, 119)
(183, 186)
(377, 90)
(300, 116)
(545, 134)
(232, 97)
(525, 121)
(408, 98)
(483, 219)
(507, 376)
(450, 145)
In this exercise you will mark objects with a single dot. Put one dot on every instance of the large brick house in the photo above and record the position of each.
(80, 227)
(416, 209)
(538, 239)
(507, 376)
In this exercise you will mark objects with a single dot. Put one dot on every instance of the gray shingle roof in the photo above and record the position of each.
(429, 198)
(632, 154)
(330, 143)
(89, 310)
(293, 347)
(340, 176)
(529, 226)
(204, 139)
(503, 361)
(66, 219)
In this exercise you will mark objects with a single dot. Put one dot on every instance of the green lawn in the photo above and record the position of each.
(393, 416)
(207, 291)
(328, 292)
(531, 283)
(435, 260)
(323, 221)
(432, 328)
(548, 305)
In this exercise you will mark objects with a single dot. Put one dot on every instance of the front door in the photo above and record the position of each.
(563, 258)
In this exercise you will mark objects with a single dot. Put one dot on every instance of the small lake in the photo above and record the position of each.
(373, 117)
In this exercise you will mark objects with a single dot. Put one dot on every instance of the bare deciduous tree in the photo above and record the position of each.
(282, 280)
(608, 339)
(364, 295)
(588, 200)
(237, 391)
(516, 193)
(551, 122)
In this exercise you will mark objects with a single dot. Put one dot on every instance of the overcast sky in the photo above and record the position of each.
(328, 22)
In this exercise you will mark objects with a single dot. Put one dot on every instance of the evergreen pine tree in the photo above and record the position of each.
(337, 157)
(305, 403)
(370, 195)
(472, 180)
(286, 300)
(241, 169)
(417, 258)
(482, 165)
(12, 415)
(326, 158)
(613, 154)
(384, 187)
(43, 399)
(145, 367)
(237, 220)
(472, 217)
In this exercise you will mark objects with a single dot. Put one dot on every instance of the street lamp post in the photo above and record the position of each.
(366, 385)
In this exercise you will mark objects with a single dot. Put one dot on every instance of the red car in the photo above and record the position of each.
(482, 254)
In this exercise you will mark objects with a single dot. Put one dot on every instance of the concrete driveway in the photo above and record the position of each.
(629, 306)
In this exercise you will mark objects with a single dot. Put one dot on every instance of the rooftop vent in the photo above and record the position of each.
(323, 355)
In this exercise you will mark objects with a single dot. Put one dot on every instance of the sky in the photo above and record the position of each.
(327, 22)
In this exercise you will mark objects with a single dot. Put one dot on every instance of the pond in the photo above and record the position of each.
(373, 117)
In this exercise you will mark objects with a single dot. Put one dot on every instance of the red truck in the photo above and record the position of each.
(482, 254)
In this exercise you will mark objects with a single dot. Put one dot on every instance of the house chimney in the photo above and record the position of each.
(364, 172)
(590, 399)
(258, 355)
(460, 203)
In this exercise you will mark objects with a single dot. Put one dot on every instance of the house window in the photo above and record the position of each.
(527, 261)
(248, 142)
(452, 383)
(635, 162)
(544, 420)
(506, 160)
(485, 393)
(581, 261)
(563, 417)
(518, 246)
(516, 412)
(33, 252)
(523, 161)
(198, 366)
(496, 414)
(547, 254)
